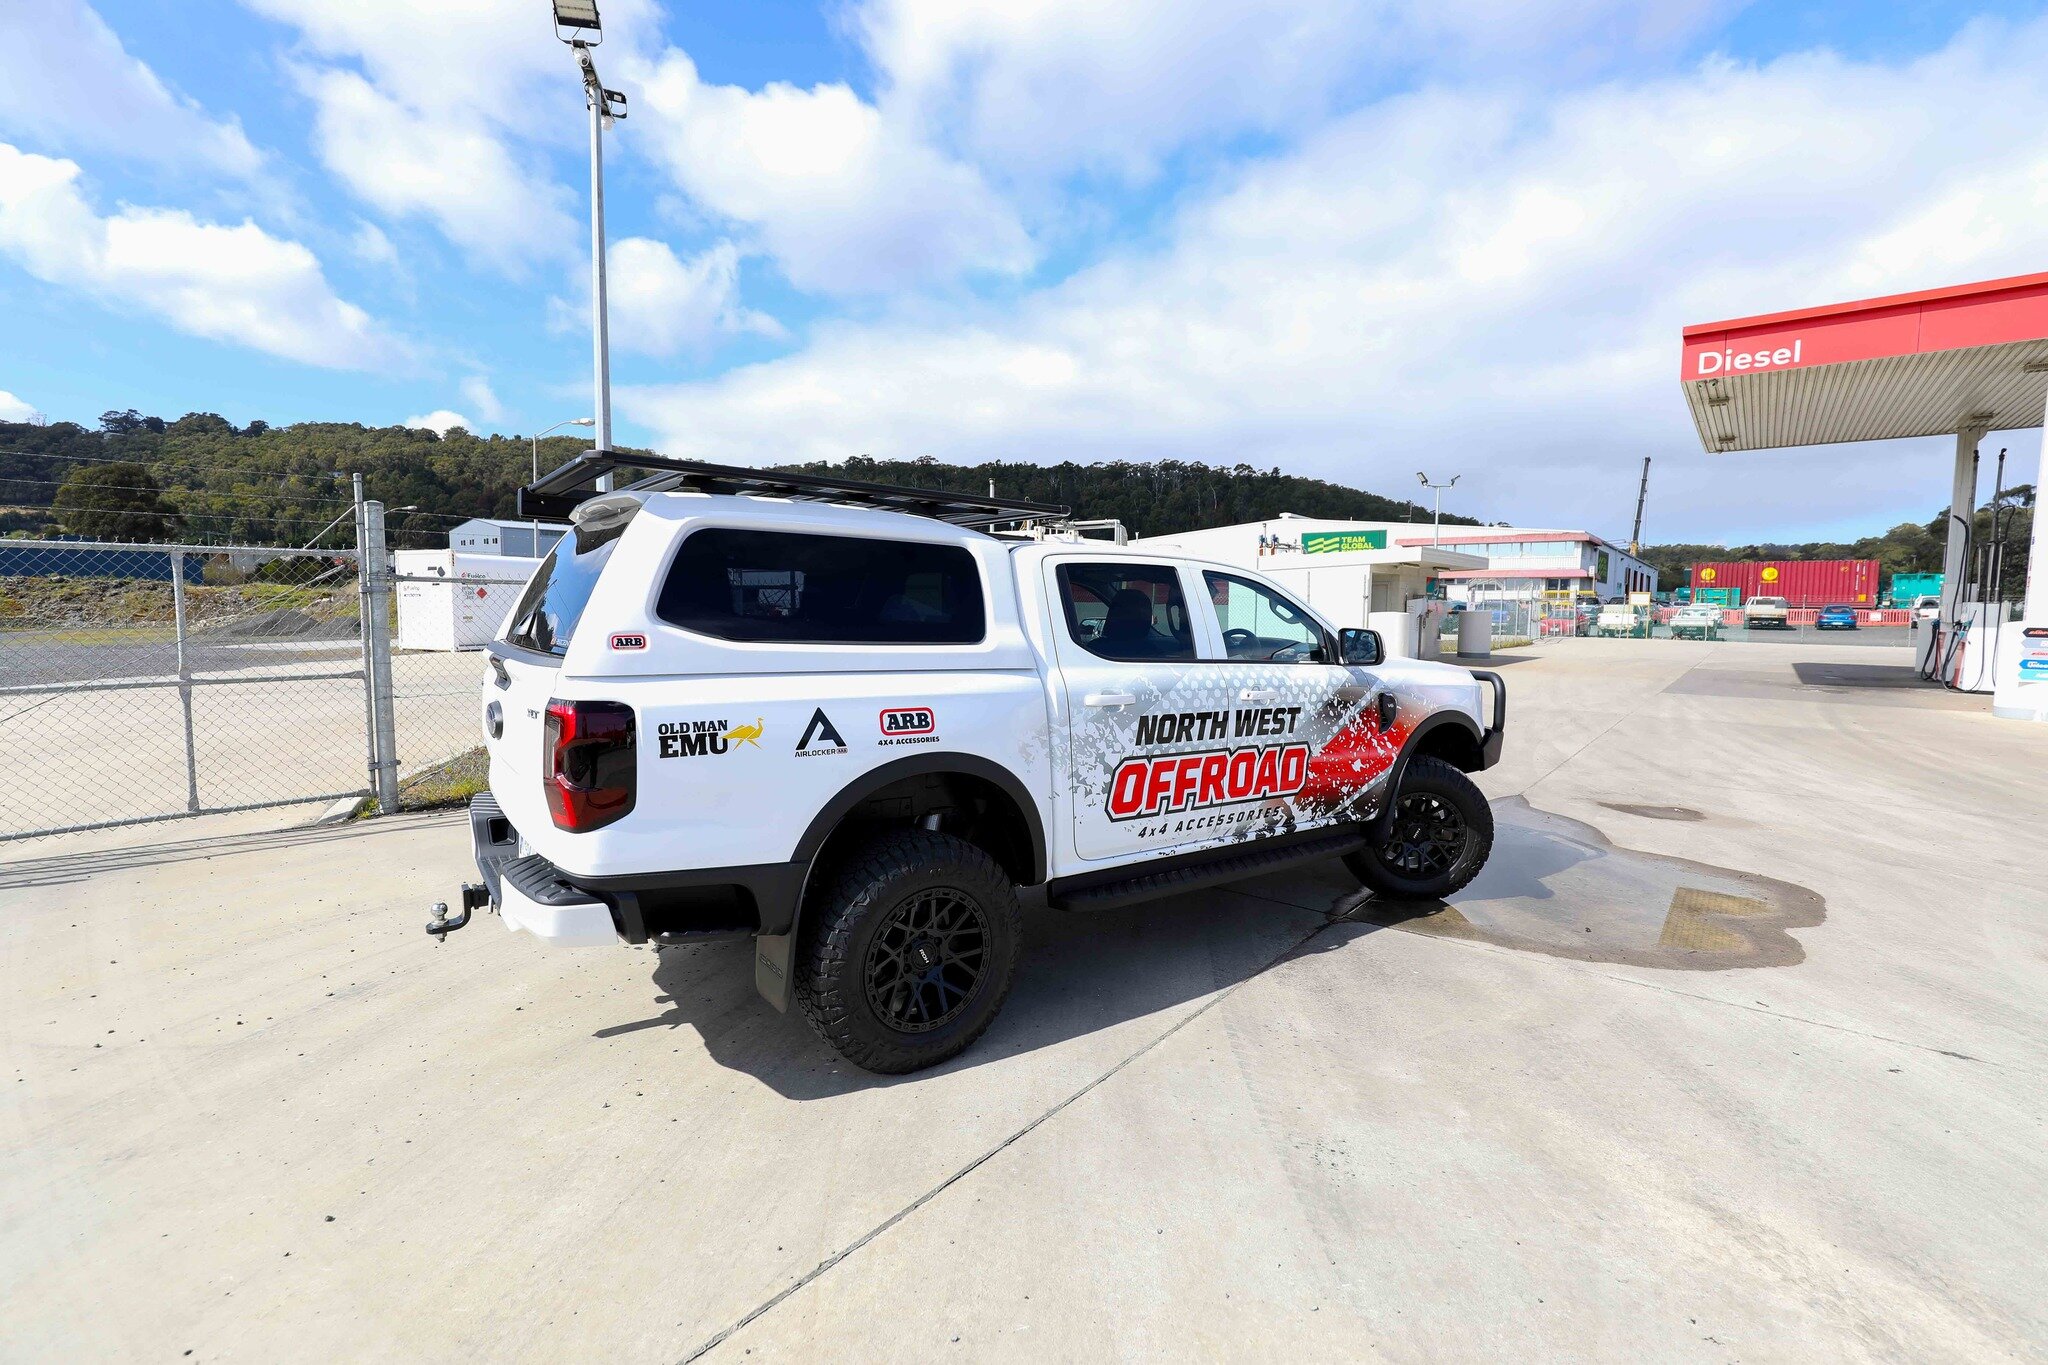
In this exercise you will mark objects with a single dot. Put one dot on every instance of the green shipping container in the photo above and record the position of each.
(1720, 597)
(1906, 587)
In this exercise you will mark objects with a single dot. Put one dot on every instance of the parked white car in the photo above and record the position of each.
(852, 723)
(1696, 621)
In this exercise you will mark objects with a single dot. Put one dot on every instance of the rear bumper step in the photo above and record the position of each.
(529, 892)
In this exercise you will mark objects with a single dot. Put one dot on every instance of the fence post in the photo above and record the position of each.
(376, 572)
(184, 680)
(363, 641)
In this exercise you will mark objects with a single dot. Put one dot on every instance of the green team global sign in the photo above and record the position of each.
(1335, 542)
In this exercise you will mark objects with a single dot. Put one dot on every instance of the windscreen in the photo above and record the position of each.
(545, 619)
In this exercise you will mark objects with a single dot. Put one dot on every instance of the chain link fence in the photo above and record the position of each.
(146, 682)
(141, 683)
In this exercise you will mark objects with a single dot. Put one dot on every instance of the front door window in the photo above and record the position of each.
(1261, 626)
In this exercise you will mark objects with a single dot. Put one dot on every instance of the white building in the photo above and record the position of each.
(1472, 563)
(519, 539)
(1524, 563)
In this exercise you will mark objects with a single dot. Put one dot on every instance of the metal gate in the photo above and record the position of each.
(149, 682)
(141, 683)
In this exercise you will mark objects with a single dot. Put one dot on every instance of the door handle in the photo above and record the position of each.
(1257, 694)
(1109, 699)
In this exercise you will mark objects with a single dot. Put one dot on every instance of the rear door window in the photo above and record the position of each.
(1128, 612)
(545, 618)
(812, 589)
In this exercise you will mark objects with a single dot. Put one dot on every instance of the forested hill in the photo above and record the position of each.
(1150, 499)
(206, 480)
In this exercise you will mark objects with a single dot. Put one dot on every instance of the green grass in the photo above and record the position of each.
(450, 782)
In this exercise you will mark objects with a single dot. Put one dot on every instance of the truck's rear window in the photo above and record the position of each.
(783, 586)
(553, 602)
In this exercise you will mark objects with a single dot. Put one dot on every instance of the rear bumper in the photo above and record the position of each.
(533, 894)
(528, 892)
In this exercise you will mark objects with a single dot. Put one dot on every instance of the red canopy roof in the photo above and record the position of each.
(1921, 364)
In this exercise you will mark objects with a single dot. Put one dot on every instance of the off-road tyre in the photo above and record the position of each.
(1439, 838)
(907, 876)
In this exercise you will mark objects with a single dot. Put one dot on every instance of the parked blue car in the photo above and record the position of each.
(1835, 618)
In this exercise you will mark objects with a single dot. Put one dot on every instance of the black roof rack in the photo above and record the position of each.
(561, 490)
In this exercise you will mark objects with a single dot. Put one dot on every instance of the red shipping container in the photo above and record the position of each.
(1801, 582)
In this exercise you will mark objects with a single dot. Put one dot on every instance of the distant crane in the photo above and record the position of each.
(1635, 537)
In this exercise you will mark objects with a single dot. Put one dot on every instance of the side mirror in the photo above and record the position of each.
(1361, 647)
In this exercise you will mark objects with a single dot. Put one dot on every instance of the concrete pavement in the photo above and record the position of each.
(1580, 1120)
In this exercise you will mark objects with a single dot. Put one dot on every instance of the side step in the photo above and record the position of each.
(1194, 871)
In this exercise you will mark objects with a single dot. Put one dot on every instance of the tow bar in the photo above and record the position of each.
(474, 896)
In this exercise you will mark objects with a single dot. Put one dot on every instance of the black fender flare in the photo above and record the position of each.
(775, 945)
(1379, 825)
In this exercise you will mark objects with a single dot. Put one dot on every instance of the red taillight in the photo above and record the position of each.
(589, 761)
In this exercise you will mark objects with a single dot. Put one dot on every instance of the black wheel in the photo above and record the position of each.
(908, 953)
(1438, 840)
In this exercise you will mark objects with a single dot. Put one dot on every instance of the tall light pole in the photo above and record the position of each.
(1437, 536)
(577, 24)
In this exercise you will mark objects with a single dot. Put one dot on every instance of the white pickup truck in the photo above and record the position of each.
(857, 724)
(1767, 613)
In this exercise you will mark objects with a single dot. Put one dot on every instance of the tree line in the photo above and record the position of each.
(202, 479)
(1909, 547)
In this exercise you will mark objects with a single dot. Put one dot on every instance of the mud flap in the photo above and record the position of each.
(773, 954)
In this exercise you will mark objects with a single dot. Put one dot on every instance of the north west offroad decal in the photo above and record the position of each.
(1216, 769)
(1166, 783)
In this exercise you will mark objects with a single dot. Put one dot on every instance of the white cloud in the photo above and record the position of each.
(13, 409)
(661, 305)
(229, 283)
(1495, 283)
(440, 421)
(447, 111)
(477, 390)
(444, 166)
(66, 83)
(479, 57)
(372, 247)
(1031, 87)
(846, 200)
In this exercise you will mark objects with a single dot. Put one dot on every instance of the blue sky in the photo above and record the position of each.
(1347, 238)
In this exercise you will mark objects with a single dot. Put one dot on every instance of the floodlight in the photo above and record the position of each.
(577, 14)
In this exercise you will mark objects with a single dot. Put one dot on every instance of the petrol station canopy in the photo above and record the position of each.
(1972, 356)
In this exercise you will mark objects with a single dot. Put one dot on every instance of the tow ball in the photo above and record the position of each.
(474, 894)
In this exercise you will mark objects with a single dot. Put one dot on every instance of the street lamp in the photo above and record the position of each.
(1437, 536)
(571, 422)
(577, 24)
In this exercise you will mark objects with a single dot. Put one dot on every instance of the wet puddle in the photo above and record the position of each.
(1655, 812)
(1557, 886)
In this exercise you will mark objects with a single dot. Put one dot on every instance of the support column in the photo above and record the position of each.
(2019, 691)
(1962, 504)
(2036, 611)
